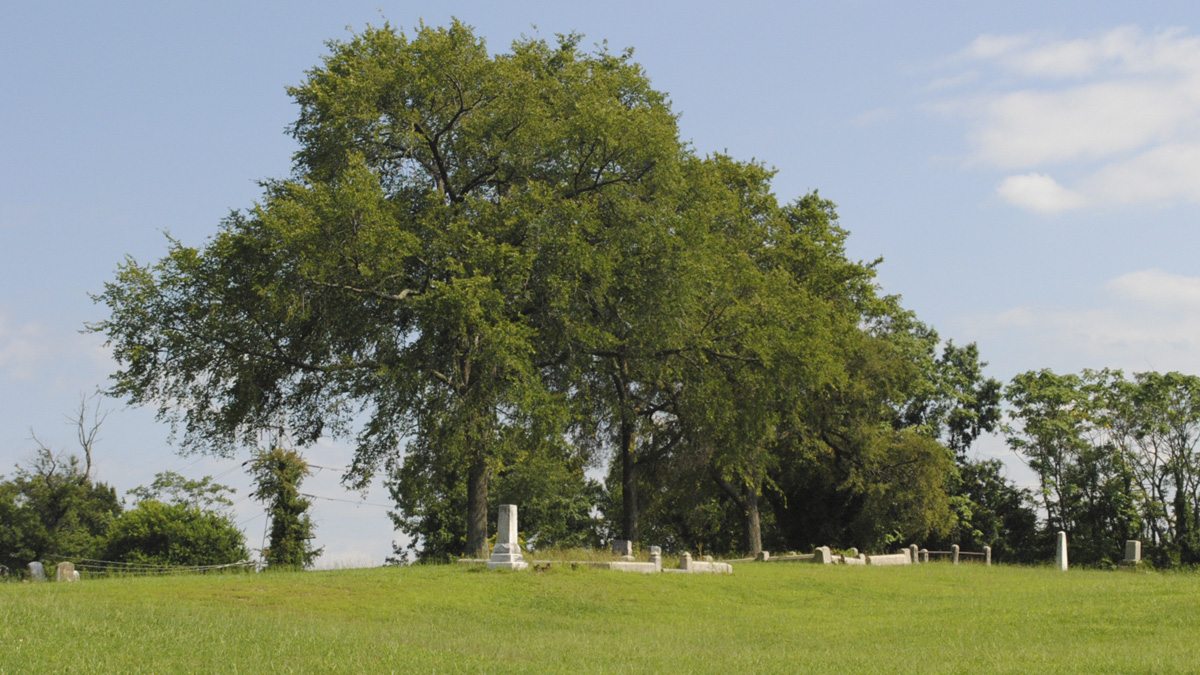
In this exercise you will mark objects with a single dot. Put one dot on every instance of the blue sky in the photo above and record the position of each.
(1029, 172)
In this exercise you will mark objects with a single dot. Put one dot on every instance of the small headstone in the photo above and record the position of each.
(987, 556)
(507, 552)
(924, 555)
(707, 558)
(954, 553)
(685, 562)
(913, 554)
(763, 556)
(65, 572)
(36, 571)
(823, 556)
(1133, 551)
(1060, 553)
(656, 557)
(622, 547)
(75, 576)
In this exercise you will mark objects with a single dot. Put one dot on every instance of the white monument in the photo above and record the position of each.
(1133, 551)
(506, 555)
(1060, 556)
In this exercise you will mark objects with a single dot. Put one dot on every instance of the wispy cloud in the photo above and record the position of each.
(1117, 113)
(22, 349)
(1149, 319)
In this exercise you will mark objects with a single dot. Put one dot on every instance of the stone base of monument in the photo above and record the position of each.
(505, 558)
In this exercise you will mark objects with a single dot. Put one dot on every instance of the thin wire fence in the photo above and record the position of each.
(95, 567)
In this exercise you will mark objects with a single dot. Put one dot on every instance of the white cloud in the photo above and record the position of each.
(1158, 289)
(22, 349)
(1028, 128)
(1160, 175)
(1120, 110)
(1144, 320)
(1039, 192)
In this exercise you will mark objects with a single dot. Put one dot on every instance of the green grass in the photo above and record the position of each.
(765, 617)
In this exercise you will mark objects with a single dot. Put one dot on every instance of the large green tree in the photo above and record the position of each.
(406, 281)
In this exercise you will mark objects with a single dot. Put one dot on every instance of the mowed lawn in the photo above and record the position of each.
(772, 617)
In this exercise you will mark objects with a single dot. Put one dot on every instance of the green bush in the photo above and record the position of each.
(174, 534)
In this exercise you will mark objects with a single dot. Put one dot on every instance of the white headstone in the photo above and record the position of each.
(65, 572)
(507, 552)
(954, 553)
(36, 571)
(685, 562)
(1133, 551)
(913, 554)
(656, 557)
(1060, 554)
(987, 556)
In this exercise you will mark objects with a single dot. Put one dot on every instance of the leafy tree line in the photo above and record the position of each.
(52, 510)
(496, 272)
(502, 275)
(1116, 459)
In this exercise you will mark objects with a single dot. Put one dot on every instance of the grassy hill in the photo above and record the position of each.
(765, 617)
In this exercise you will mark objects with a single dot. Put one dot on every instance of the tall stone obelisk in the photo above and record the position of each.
(506, 555)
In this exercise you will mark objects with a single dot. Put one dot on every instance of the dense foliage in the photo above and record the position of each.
(1116, 459)
(155, 533)
(52, 508)
(497, 272)
(277, 473)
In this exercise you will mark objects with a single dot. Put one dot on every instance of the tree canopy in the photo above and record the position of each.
(495, 271)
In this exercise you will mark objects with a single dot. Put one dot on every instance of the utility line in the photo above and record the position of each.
(348, 501)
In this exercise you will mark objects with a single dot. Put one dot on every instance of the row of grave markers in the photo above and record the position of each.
(1133, 552)
(506, 554)
(64, 572)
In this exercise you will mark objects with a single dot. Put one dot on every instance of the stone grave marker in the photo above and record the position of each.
(65, 572)
(1133, 552)
(506, 554)
(1060, 553)
(822, 555)
(36, 571)
(622, 547)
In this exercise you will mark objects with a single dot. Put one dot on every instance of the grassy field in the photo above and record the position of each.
(765, 617)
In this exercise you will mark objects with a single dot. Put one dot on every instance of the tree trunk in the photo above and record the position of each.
(752, 522)
(629, 529)
(477, 496)
(746, 500)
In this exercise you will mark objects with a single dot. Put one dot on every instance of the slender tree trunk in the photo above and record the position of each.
(746, 500)
(752, 522)
(629, 504)
(477, 496)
